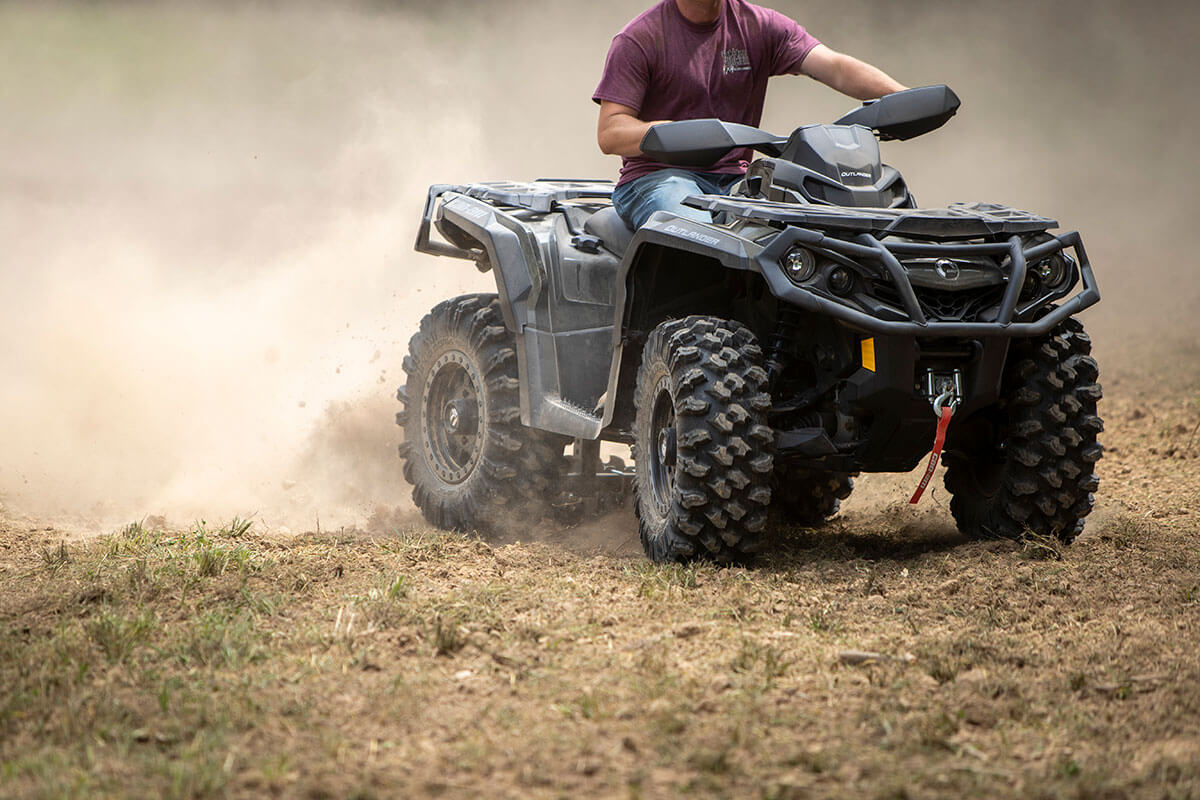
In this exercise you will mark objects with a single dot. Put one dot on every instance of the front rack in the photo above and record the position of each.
(869, 235)
(956, 221)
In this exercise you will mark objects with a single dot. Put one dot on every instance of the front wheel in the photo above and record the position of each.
(702, 445)
(1029, 464)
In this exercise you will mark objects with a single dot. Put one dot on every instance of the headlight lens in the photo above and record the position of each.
(799, 264)
(1053, 272)
(841, 281)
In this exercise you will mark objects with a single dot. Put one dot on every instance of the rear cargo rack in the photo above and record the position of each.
(541, 196)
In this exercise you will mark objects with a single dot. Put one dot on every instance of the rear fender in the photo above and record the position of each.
(518, 262)
(511, 252)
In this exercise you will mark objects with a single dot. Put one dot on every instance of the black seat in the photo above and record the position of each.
(609, 228)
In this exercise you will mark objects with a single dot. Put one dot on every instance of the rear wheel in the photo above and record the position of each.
(1029, 465)
(471, 462)
(701, 443)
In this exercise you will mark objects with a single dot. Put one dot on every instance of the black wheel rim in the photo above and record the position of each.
(985, 461)
(452, 417)
(663, 444)
(986, 478)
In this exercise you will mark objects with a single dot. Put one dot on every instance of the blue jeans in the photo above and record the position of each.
(665, 190)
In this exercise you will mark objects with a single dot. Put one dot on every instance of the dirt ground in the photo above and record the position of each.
(206, 287)
(220, 660)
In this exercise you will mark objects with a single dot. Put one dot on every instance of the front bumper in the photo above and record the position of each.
(1012, 320)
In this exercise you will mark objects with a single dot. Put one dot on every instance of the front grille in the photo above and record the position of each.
(971, 305)
(968, 306)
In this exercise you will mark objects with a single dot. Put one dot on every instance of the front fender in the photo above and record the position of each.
(680, 234)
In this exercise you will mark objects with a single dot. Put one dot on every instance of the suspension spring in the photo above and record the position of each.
(787, 328)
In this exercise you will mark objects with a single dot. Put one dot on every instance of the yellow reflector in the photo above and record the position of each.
(868, 353)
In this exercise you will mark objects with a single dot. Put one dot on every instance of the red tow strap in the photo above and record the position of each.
(938, 442)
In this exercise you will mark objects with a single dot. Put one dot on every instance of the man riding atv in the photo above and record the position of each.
(696, 59)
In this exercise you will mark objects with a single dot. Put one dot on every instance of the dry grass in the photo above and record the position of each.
(221, 662)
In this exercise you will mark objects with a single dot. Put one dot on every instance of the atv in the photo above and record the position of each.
(821, 325)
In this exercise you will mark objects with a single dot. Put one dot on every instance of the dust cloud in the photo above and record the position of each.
(207, 210)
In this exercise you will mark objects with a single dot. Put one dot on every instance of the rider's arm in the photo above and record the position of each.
(848, 75)
(620, 132)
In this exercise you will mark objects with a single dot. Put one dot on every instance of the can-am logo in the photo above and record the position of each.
(947, 269)
(693, 235)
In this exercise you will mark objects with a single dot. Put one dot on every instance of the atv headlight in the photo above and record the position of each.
(841, 281)
(799, 264)
(1053, 272)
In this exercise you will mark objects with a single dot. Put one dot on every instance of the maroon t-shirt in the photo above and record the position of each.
(665, 67)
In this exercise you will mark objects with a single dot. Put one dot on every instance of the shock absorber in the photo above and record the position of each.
(787, 327)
